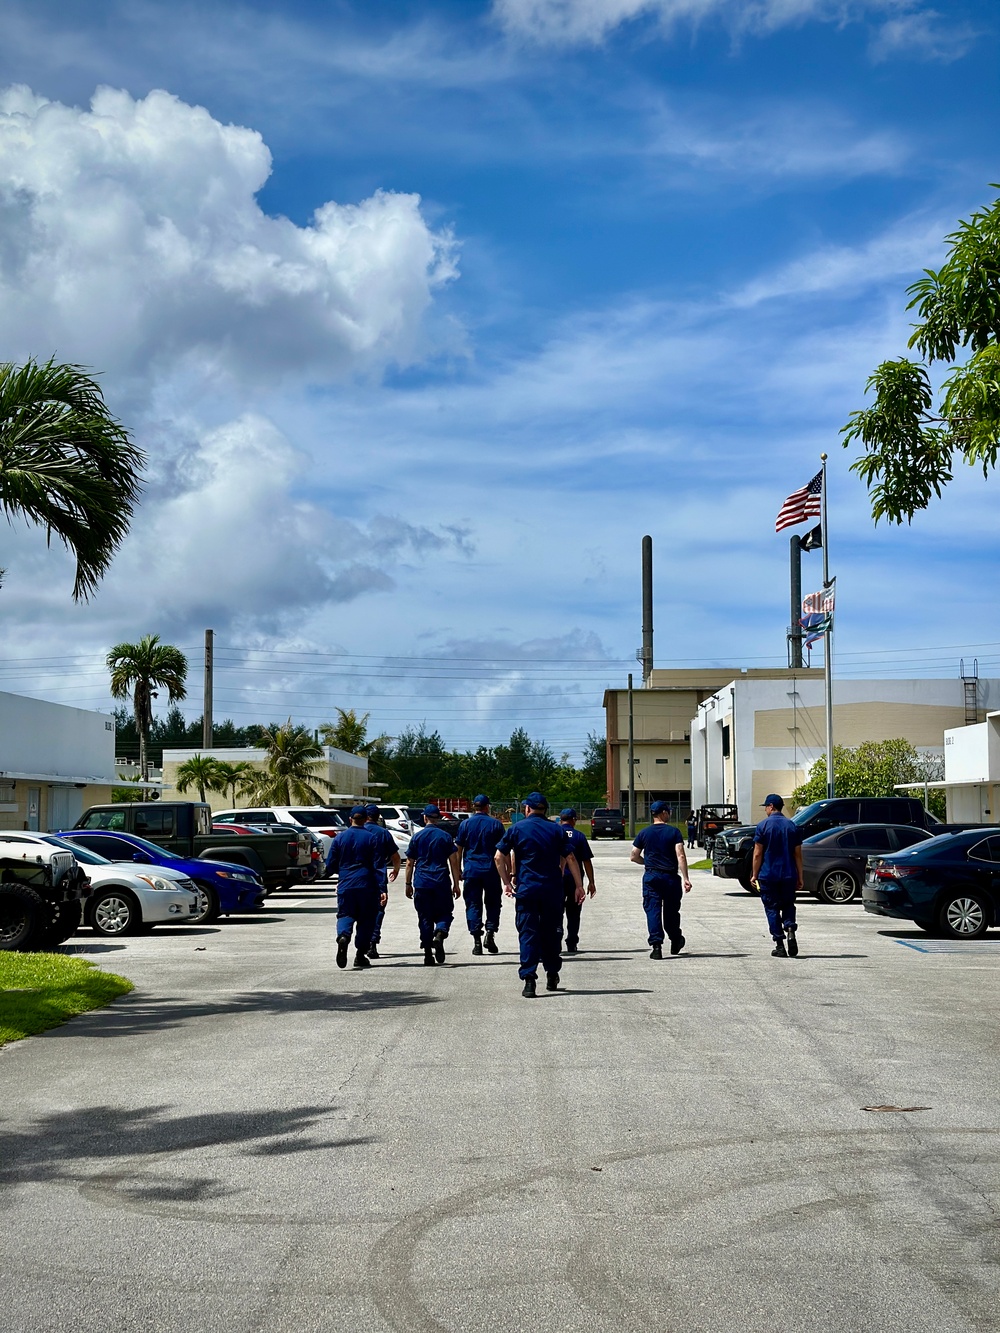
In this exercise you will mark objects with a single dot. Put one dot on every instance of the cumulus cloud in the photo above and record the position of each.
(923, 35)
(133, 241)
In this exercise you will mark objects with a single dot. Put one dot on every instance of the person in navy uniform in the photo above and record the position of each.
(478, 837)
(580, 847)
(660, 849)
(432, 883)
(692, 824)
(533, 855)
(353, 856)
(777, 872)
(387, 856)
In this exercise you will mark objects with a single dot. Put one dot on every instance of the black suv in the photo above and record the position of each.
(732, 853)
(607, 823)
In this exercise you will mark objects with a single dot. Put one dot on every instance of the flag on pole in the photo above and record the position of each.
(817, 613)
(813, 540)
(801, 504)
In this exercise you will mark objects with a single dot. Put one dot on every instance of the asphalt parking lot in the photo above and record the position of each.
(254, 1140)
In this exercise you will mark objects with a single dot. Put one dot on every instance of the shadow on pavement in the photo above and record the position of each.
(928, 936)
(51, 1148)
(137, 1013)
(623, 990)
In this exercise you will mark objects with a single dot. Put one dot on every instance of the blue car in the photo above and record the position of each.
(222, 888)
(947, 886)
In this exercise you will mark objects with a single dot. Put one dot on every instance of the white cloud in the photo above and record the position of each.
(133, 241)
(924, 35)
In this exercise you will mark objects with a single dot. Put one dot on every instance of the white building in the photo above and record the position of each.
(755, 736)
(54, 761)
(972, 772)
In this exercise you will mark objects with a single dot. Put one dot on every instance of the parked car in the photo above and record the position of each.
(607, 823)
(42, 891)
(834, 861)
(125, 898)
(222, 888)
(948, 886)
(321, 820)
(397, 817)
(185, 827)
(732, 852)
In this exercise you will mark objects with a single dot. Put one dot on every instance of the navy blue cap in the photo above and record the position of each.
(568, 813)
(659, 808)
(371, 809)
(431, 812)
(480, 800)
(536, 801)
(775, 800)
(358, 810)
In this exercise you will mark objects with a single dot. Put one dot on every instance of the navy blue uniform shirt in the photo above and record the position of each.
(538, 847)
(658, 845)
(779, 837)
(479, 836)
(580, 847)
(354, 855)
(431, 848)
(384, 841)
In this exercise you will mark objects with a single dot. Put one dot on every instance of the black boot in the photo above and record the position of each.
(529, 988)
(551, 980)
(491, 944)
(429, 957)
(373, 951)
(656, 952)
(570, 948)
(678, 944)
(360, 960)
(793, 944)
(477, 943)
(439, 945)
(779, 949)
(342, 942)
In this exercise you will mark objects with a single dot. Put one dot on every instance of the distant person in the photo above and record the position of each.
(353, 857)
(660, 849)
(477, 838)
(777, 872)
(432, 883)
(692, 823)
(580, 847)
(388, 855)
(532, 856)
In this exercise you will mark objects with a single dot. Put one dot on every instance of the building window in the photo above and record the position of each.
(7, 793)
(662, 761)
(725, 742)
(687, 761)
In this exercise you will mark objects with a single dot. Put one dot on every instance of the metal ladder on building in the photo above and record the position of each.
(970, 685)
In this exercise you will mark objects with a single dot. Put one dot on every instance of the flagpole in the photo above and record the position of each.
(827, 646)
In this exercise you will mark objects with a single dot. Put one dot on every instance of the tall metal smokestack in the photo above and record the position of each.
(647, 610)
(795, 634)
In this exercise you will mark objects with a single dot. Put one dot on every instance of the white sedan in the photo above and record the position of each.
(126, 897)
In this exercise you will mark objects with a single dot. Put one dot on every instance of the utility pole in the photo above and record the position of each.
(795, 584)
(206, 721)
(631, 762)
(647, 611)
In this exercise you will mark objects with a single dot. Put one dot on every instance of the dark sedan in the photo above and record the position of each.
(948, 886)
(834, 861)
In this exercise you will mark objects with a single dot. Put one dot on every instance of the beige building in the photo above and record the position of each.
(661, 719)
(54, 762)
(347, 774)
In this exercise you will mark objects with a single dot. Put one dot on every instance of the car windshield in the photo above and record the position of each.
(318, 818)
(140, 844)
(611, 814)
(82, 854)
(807, 812)
(822, 837)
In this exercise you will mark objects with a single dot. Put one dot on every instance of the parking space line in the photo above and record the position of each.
(907, 944)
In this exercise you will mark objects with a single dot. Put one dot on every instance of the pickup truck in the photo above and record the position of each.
(185, 827)
(732, 851)
(42, 892)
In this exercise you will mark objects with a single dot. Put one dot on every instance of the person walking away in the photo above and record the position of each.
(660, 849)
(580, 847)
(388, 855)
(477, 839)
(353, 858)
(777, 873)
(432, 883)
(692, 823)
(533, 855)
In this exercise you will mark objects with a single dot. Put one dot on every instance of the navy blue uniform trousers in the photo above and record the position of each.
(479, 890)
(573, 911)
(778, 897)
(356, 913)
(539, 916)
(435, 909)
(383, 879)
(661, 900)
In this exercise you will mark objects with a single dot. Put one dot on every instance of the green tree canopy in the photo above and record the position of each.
(66, 464)
(144, 668)
(200, 771)
(910, 434)
(289, 776)
(873, 768)
(350, 733)
(234, 777)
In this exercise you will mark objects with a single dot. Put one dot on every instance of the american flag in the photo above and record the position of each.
(801, 504)
(820, 603)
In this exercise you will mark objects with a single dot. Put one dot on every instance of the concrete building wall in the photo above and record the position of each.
(348, 774)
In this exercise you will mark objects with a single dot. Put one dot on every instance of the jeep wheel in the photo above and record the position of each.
(66, 923)
(22, 912)
(115, 912)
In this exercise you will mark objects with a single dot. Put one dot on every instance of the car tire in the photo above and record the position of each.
(22, 913)
(964, 916)
(929, 927)
(746, 884)
(208, 905)
(837, 886)
(67, 923)
(115, 912)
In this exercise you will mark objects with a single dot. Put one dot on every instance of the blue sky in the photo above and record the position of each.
(582, 269)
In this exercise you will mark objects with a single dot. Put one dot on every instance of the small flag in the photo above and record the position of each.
(815, 627)
(801, 504)
(820, 603)
(813, 540)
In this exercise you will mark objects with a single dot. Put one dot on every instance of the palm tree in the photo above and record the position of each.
(289, 776)
(66, 464)
(350, 733)
(141, 667)
(234, 778)
(201, 771)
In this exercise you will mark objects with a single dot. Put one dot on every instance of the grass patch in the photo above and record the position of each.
(701, 865)
(42, 990)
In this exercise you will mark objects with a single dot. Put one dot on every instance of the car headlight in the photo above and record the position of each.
(233, 874)
(155, 882)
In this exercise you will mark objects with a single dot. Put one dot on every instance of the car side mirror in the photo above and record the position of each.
(141, 857)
